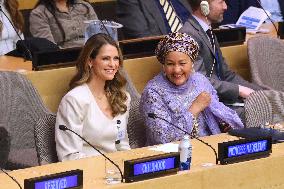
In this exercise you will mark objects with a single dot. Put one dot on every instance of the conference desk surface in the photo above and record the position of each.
(260, 173)
(10, 63)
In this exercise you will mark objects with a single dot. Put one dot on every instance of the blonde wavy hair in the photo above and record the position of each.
(114, 88)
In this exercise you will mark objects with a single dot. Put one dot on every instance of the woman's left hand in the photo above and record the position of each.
(201, 102)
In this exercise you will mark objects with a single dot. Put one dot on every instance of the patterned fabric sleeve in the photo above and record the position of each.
(219, 110)
(157, 130)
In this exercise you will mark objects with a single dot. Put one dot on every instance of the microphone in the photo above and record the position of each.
(26, 48)
(259, 3)
(64, 128)
(4, 152)
(154, 116)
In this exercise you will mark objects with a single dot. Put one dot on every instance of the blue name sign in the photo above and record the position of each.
(150, 167)
(247, 148)
(154, 166)
(244, 149)
(60, 183)
(69, 179)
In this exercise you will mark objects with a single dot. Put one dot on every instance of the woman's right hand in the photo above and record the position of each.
(201, 102)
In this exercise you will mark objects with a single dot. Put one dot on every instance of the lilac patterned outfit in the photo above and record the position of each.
(172, 102)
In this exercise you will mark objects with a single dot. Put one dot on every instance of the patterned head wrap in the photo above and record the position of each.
(176, 41)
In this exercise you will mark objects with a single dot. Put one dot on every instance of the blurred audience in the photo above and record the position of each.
(275, 7)
(8, 35)
(61, 21)
(142, 18)
(237, 7)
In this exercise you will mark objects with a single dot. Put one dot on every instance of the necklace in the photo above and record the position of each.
(99, 97)
(97, 93)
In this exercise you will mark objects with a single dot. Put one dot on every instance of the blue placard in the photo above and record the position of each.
(244, 149)
(247, 148)
(154, 166)
(151, 166)
(67, 179)
(59, 183)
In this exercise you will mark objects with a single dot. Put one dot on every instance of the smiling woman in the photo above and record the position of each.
(181, 96)
(178, 66)
(97, 106)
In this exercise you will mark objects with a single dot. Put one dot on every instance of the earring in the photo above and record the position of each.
(90, 66)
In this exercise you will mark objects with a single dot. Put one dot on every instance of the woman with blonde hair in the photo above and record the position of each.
(11, 19)
(97, 106)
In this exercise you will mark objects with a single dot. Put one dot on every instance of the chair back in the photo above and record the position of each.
(258, 110)
(135, 128)
(21, 108)
(263, 107)
(266, 59)
(45, 140)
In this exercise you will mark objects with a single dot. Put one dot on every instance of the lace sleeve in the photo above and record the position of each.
(159, 131)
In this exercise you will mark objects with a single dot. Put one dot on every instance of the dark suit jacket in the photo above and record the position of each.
(236, 8)
(141, 18)
(281, 4)
(227, 87)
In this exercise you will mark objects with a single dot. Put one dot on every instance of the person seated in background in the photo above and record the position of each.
(97, 106)
(235, 9)
(8, 35)
(61, 21)
(182, 96)
(230, 86)
(276, 8)
(142, 18)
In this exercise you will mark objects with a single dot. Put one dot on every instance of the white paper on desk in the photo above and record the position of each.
(252, 18)
(169, 147)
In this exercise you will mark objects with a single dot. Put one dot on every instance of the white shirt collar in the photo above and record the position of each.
(203, 24)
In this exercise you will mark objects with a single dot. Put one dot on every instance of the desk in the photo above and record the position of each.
(261, 173)
(10, 63)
